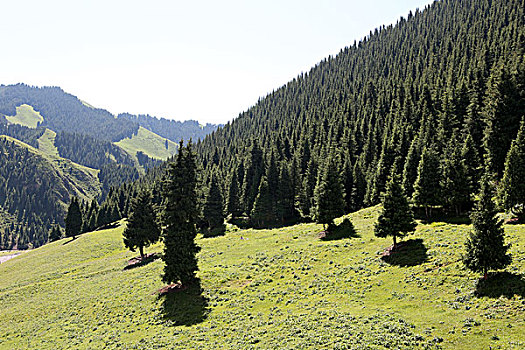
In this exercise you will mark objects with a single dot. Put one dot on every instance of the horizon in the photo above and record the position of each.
(205, 62)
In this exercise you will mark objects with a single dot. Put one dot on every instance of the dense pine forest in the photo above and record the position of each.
(438, 97)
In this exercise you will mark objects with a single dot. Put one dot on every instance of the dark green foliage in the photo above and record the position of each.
(329, 195)
(427, 188)
(73, 219)
(22, 133)
(345, 229)
(55, 234)
(502, 116)
(455, 181)
(252, 177)
(512, 190)
(263, 208)
(396, 218)
(180, 217)
(142, 228)
(234, 200)
(485, 247)
(214, 207)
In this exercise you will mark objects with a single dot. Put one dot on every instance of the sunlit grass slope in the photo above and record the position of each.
(46, 143)
(149, 143)
(26, 116)
(270, 289)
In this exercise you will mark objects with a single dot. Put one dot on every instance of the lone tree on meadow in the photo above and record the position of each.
(485, 247)
(142, 229)
(180, 217)
(73, 219)
(396, 218)
(55, 234)
(513, 184)
(329, 201)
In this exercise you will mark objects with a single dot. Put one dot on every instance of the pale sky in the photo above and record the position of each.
(203, 60)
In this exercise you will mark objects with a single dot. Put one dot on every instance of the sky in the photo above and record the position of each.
(202, 60)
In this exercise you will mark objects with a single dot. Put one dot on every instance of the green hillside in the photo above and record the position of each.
(26, 116)
(282, 288)
(46, 143)
(149, 143)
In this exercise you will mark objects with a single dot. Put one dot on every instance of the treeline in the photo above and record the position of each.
(171, 129)
(437, 96)
(64, 112)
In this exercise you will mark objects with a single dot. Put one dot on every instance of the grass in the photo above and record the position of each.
(283, 288)
(46, 143)
(26, 116)
(149, 143)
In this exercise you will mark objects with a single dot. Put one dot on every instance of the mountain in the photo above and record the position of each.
(450, 77)
(65, 137)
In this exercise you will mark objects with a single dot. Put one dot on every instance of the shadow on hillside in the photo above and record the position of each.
(137, 262)
(499, 284)
(441, 215)
(408, 253)
(185, 307)
(215, 232)
(344, 230)
(71, 240)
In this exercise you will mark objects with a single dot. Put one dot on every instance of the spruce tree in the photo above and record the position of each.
(214, 207)
(512, 190)
(396, 218)
(142, 229)
(455, 183)
(329, 195)
(485, 246)
(427, 188)
(234, 201)
(73, 219)
(180, 217)
(55, 234)
(262, 212)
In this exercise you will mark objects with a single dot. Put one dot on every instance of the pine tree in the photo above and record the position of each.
(73, 219)
(262, 212)
(427, 189)
(180, 217)
(512, 190)
(214, 206)
(396, 218)
(234, 201)
(142, 229)
(285, 196)
(55, 234)
(455, 184)
(485, 247)
(329, 195)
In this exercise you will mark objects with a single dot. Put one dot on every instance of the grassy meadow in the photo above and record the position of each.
(149, 143)
(282, 288)
(26, 116)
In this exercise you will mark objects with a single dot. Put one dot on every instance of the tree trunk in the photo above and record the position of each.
(485, 275)
(141, 250)
(395, 242)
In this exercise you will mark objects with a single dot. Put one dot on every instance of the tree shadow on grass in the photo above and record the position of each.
(71, 240)
(215, 232)
(499, 284)
(408, 253)
(137, 262)
(344, 230)
(185, 307)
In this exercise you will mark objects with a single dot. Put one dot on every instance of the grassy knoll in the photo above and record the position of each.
(281, 288)
(26, 116)
(46, 143)
(149, 143)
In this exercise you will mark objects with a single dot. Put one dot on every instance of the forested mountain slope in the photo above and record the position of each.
(34, 192)
(448, 81)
